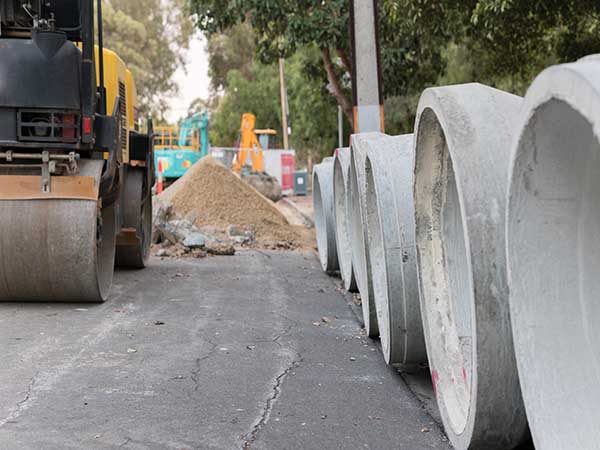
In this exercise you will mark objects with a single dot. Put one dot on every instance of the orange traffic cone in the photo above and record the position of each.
(159, 184)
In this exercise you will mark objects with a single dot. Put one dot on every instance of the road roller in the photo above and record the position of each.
(76, 165)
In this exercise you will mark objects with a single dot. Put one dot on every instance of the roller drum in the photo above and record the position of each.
(56, 249)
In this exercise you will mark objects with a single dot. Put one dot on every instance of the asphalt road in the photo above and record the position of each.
(220, 353)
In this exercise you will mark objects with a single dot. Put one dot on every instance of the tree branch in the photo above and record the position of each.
(345, 60)
(335, 85)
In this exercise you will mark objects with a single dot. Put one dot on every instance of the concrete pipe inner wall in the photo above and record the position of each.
(358, 228)
(323, 210)
(463, 138)
(341, 211)
(390, 226)
(553, 248)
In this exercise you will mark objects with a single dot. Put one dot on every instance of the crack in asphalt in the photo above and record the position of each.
(194, 373)
(281, 334)
(265, 414)
(127, 441)
(22, 404)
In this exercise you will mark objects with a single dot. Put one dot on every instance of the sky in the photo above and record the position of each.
(193, 81)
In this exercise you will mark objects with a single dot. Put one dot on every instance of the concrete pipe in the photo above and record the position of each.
(463, 138)
(341, 211)
(391, 230)
(553, 251)
(358, 228)
(324, 221)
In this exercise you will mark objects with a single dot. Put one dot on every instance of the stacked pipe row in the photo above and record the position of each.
(475, 246)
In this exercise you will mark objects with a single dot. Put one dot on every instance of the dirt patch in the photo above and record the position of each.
(210, 195)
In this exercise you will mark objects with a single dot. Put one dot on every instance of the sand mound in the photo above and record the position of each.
(210, 195)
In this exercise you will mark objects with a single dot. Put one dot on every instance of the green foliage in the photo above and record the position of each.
(313, 113)
(258, 95)
(151, 39)
(513, 40)
(231, 50)
(503, 43)
(413, 38)
(281, 27)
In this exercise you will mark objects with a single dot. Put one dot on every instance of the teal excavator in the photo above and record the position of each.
(178, 150)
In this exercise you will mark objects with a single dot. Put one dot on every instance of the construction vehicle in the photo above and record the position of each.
(267, 138)
(75, 174)
(178, 151)
(250, 157)
(249, 162)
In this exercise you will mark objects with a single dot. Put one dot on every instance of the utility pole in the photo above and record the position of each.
(340, 127)
(284, 104)
(367, 91)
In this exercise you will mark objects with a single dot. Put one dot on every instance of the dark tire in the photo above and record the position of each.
(133, 243)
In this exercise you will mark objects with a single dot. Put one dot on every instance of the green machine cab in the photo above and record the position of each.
(175, 152)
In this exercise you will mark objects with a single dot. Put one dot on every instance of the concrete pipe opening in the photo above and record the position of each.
(341, 211)
(390, 224)
(553, 247)
(358, 229)
(463, 138)
(323, 210)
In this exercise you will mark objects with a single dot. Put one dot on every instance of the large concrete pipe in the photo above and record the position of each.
(341, 212)
(463, 138)
(553, 250)
(358, 228)
(391, 231)
(323, 210)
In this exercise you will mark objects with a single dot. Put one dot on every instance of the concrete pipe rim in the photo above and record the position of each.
(324, 226)
(474, 125)
(379, 272)
(455, 363)
(390, 217)
(340, 209)
(359, 252)
(553, 225)
(320, 222)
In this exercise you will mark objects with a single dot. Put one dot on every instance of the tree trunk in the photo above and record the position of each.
(335, 85)
(345, 60)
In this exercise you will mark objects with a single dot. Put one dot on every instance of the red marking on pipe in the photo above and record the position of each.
(435, 377)
(464, 372)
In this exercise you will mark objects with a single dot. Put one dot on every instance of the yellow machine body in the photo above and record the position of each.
(118, 81)
(250, 152)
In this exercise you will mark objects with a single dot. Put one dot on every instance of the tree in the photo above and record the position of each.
(516, 39)
(503, 43)
(313, 112)
(231, 50)
(151, 39)
(414, 34)
(280, 28)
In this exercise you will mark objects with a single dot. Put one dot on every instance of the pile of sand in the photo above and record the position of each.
(211, 195)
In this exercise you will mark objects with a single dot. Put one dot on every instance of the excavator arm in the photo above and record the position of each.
(250, 152)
